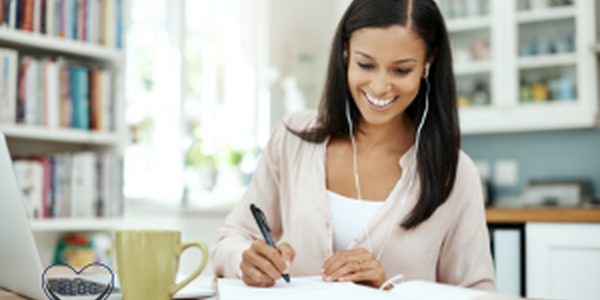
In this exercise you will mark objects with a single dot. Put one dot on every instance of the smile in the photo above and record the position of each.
(379, 102)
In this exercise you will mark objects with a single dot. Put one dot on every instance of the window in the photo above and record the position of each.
(194, 98)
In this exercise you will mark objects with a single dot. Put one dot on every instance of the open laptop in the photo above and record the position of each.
(21, 267)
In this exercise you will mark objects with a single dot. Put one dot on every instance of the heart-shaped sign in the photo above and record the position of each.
(55, 287)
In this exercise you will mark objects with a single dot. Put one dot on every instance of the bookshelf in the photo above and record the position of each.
(93, 46)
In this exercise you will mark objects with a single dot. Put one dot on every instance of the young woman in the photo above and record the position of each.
(374, 185)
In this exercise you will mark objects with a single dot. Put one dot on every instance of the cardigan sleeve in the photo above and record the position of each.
(240, 229)
(465, 258)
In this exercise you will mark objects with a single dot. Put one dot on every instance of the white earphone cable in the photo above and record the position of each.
(412, 177)
(356, 180)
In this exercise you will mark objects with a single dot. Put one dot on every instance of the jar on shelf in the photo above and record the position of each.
(481, 96)
(539, 92)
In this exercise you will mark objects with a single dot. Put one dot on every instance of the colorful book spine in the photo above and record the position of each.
(78, 185)
(119, 29)
(27, 15)
(80, 97)
(9, 65)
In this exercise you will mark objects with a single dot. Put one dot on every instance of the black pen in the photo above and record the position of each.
(264, 229)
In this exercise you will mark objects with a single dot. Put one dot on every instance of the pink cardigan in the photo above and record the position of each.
(452, 246)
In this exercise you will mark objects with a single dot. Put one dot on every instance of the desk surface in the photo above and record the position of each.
(5, 295)
(524, 215)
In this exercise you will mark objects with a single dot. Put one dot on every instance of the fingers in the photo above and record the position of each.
(356, 265)
(288, 254)
(253, 276)
(262, 264)
(346, 261)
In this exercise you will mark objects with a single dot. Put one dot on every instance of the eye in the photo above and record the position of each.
(402, 71)
(365, 66)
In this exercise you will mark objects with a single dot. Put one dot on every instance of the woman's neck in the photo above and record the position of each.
(397, 135)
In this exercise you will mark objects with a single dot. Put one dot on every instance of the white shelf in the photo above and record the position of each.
(548, 14)
(60, 45)
(526, 117)
(464, 24)
(550, 60)
(64, 135)
(469, 68)
(59, 224)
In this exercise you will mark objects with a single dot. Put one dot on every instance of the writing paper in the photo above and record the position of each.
(298, 288)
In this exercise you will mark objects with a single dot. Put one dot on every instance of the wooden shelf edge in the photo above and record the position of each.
(469, 23)
(570, 215)
(61, 45)
(65, 135)
(76, 224)
(547, 14)
(548, 60)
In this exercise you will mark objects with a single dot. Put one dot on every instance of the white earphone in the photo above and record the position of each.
(417, 139)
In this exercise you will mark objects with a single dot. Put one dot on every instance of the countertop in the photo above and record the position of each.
(524, 215)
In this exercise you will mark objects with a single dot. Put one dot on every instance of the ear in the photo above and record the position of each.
(346, 55)
(429, 63)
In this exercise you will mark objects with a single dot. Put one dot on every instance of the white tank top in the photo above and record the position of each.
(349, 218)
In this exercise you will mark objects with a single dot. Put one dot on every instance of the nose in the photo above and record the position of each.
(380, 84)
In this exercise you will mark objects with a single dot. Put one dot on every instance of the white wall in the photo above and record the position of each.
(298, 26)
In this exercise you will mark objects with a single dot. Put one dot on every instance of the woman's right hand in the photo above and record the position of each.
(262, 264)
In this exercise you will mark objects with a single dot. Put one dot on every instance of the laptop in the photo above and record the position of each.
(22, 268)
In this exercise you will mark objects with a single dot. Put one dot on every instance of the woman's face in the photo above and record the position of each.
(385, 67)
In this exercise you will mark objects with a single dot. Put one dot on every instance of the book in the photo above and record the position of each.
(77, 185)
(37, 16)
(28, 15)
(49, 21)
(56, 92)
(12, 17)
(30, 176)
(52, 67)
(9, 65)
(80, 97)
(83, 185)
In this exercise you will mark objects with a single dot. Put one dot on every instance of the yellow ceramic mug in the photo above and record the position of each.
(147, 263)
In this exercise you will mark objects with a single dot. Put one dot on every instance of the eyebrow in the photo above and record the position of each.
(396, 62)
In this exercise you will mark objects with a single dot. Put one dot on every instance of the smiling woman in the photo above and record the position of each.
(374, 184)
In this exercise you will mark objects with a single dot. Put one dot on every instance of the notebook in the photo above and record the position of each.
(299, 288)
(316, 288)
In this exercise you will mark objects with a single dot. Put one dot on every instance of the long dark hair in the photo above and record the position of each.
(440, 136)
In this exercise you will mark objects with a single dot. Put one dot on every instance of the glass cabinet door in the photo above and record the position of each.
(468, 23)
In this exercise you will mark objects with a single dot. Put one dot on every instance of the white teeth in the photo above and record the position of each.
(379, 102)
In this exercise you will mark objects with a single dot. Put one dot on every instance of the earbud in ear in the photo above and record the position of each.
(345, 54)
(427, 70)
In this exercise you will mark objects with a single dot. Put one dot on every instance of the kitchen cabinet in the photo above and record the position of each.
(562, 260)
(523, 65)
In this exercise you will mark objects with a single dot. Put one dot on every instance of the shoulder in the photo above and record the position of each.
(298, 121)
(467, 183)
(301, 120)
(283, 140)
(466, 168)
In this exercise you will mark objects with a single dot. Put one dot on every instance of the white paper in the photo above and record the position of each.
(424, 290)
(298, 288)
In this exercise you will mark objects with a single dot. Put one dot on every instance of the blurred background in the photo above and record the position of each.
(198, 85)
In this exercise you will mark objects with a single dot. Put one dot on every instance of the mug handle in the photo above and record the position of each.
(202, 246)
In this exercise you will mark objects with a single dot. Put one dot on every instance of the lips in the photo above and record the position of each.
(379, 104)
